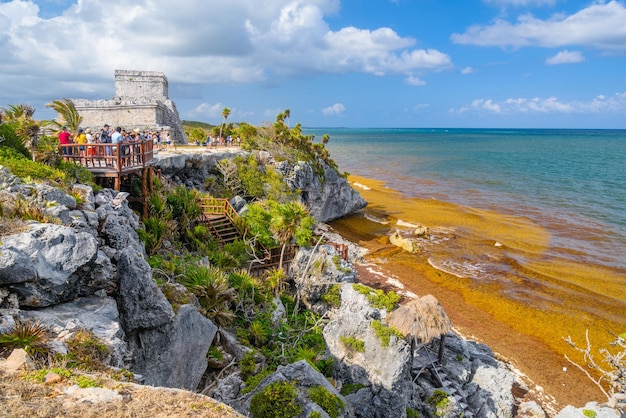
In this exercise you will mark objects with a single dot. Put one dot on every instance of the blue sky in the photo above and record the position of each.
(348, 63)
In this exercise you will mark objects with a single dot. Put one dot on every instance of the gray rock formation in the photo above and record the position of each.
(51, 264)
(303, 376)
(383, 371)
(94, 313)
(329, 198)
(174, 354)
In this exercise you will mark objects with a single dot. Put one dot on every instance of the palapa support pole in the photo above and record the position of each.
(442, 340)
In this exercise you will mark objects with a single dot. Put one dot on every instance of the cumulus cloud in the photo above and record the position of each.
(209, 110)
(238, 42)
(520, 3)
(334, 110)
(566, 57)
(467, 70)
(600, 26)
(415, 81)
(549, 105)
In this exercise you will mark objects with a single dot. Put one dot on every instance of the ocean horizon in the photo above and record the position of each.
(528, 224)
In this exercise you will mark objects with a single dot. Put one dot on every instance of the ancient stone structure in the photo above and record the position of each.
(141, 101)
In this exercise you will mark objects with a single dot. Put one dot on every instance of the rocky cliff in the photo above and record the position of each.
(328, 197)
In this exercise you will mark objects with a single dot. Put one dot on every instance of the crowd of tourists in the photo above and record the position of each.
(129, 143)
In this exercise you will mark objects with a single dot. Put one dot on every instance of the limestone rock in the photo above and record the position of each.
(96, 314)
(174, 354)
(141, 302)
(407, 244)
(54, 264)
(18, 360)
(383, 370)
(327, 199)
(600, 411)
(303, 376)
(315, 271)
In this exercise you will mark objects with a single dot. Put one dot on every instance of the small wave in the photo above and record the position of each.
(361, 186)
(400, 222)
(462, 270)
(373, 218)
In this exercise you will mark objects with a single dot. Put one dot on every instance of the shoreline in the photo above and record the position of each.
(555, 381)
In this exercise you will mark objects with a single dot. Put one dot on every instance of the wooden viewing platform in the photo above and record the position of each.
(113, 162)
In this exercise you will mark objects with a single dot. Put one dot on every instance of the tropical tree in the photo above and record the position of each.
(286, 115)
(325, 139)
(68, 115)
(291, 220)
(20, 117)
(225, 114)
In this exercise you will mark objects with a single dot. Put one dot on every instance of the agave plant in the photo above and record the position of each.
(29, 335)
(211, 287)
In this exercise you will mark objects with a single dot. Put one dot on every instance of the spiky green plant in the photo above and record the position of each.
(29, 335)
(211, 287)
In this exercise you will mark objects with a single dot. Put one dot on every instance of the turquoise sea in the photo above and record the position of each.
(572, 182)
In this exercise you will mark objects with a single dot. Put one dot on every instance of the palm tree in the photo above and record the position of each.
(287, 114)
(290, 220)
(68, 115)
(325, 139)
(225, 114)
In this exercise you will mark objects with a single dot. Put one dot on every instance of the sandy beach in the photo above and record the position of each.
(530, 340)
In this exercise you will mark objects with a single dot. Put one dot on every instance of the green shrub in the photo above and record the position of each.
(87, 352)
(247, 365)
(384, 332)
(350, 388)
(315, 414)
(353, 343)
(332, 296)
(438, 400)
(378, 298)
(412, 413)
(326, 366)
(277, 400)
(326, 400)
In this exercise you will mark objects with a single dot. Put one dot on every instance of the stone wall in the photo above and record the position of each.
(141, 102)
(132, 83)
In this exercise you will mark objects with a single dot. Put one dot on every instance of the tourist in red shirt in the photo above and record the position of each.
(64, 139)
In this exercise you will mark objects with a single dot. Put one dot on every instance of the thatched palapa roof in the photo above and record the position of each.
(423, 318)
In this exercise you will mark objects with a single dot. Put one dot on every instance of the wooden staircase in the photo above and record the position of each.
(227, 225)
(440, 375)
(223, 228)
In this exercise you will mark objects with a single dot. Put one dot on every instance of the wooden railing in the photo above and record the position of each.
(123, 156)
(213, 206)
(220, 206)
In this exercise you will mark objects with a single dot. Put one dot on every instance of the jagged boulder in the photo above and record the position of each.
(329, 197)
(174, 354)
(304, 377)
(141, 302)
(383, 371)
(51, 264)
(96, 314)
(315, 270)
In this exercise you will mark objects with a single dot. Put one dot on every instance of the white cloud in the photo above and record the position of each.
(415, 81)
(74, 53)
(467, 70)
(209, 110)
(334, 110)
(600, 26)
(550, 105)
(566, 57)
(520, 3)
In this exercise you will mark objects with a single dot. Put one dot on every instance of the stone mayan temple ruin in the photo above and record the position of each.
(141, 101)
